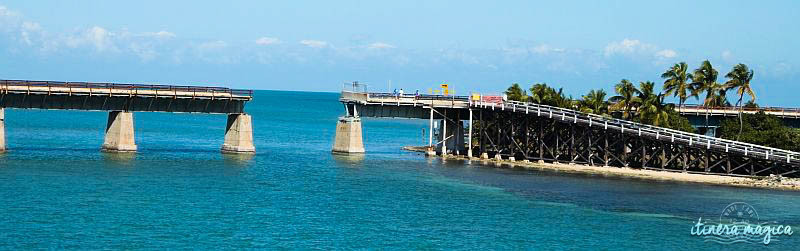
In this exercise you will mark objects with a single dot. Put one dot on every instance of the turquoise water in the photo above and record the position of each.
(58, 191)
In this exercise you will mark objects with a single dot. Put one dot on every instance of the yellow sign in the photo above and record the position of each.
(444, 86)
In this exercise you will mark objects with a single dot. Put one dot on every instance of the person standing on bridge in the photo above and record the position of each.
(401, 92)
(416, 94)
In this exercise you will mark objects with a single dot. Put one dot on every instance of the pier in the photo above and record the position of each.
(517, 131)
(122, 100)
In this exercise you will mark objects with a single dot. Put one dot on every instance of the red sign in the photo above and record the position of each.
(492, 99)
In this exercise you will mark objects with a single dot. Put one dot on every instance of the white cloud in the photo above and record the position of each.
(544, 49)
(216, 52)
(727, 55)
(97, 37)
(380, 45)
(627, 46)
(212, 45)
(314, 43)
(781, 69)
(160, 35)
(100, 38)
(8, 18)
(28, 29)
(666, 54)
(267, 41)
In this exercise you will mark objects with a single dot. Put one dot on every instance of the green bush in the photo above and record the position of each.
(761, 129)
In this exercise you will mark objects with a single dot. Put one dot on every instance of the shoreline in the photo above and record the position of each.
(765, 182)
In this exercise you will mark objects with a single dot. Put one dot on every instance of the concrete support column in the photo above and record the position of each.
(348, 136)
(430, 151)
(239, 134)
(443, 147)
(2, 130)
(469, 138)
(452, 137)
(119, 132)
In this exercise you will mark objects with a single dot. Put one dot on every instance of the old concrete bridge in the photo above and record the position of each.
(698, 114)
(533, 132)
(121, 100)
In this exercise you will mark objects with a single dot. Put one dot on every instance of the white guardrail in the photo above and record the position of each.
(659, 133)
(593, 120)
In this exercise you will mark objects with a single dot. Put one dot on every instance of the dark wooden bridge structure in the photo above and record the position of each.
(528, 131)
(121, 100)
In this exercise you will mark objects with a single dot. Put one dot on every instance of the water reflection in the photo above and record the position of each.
(121, 158)
(242, 160)
(352, 160)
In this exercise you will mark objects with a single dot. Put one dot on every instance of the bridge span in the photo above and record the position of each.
(121, 100)
(533, 132)
(708, 119)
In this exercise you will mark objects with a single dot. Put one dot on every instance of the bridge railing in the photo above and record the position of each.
(660, 133)
(652, 131)
(418, 96)
(736, 109)
(88, 85)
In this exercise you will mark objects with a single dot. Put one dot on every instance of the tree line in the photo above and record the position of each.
(644, 104)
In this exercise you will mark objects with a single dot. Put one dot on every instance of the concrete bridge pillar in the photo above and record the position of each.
(2, 130)
(453, 132)
(239, 134)
(119, 132)
(348, 135)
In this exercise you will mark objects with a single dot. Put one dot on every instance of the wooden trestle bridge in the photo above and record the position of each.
(534, 132)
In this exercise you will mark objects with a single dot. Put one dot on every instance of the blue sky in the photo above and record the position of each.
(472, 45)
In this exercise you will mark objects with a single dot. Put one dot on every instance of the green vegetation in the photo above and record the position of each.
(761, 129)
(626, 98)
(740, 78)
(645, 104)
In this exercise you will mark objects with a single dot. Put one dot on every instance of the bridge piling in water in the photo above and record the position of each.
(121, 100)
(2, 130)
(239, 134)
(119, 135)
(348, 133)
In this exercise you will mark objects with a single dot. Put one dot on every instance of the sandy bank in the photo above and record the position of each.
(713, 179)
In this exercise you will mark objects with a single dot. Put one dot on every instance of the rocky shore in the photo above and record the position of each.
(767, 182)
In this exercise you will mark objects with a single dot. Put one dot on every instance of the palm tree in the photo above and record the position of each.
(594, 102)
(676, 83)
(516, 93)
(740, 78)
(704, 79)
(539, 93)
(626, 98)
(652, 109)
(560, 99)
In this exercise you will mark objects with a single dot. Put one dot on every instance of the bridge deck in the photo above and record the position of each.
(125, 90)
(127, 97)
(734, 111)
(591, 120)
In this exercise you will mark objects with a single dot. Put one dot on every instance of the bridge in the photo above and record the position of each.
(697, 115)
(533, 132)
(121, 100)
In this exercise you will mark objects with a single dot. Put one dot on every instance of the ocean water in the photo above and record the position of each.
(57, 190)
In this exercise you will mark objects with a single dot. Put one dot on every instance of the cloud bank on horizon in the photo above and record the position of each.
(320, 61)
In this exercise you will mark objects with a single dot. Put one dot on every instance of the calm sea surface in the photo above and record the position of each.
(58, 191)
